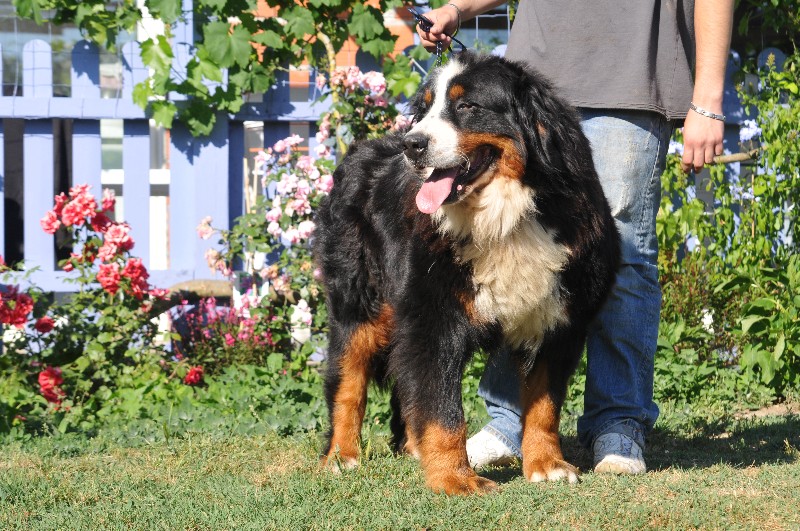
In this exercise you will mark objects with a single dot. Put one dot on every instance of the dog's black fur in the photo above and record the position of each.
(406, 306)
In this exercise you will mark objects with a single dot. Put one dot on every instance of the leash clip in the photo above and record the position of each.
(426, 24)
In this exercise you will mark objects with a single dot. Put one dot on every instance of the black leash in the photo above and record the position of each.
(426, 24)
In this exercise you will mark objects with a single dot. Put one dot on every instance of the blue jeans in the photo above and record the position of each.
(629, 150)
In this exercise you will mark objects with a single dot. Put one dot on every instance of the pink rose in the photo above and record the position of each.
(109, 200)
(274, 229)
(159, 293)
(374, 82)
(401, 122)
(81, 206)
(293, 140)
(306, 228)
(303, 189)
(108, 251)
(322, 151)
(274, 214)
(61, 200)
(291, 235)
(325, 183)
(204, 229)
(120, 235)
(50, 222)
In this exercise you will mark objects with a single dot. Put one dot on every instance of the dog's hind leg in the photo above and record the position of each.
(348, 374)
(542, 394)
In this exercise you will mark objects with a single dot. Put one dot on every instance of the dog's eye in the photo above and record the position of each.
(464, 106)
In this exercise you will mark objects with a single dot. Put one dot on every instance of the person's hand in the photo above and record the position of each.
(702, 140)
(445, 20)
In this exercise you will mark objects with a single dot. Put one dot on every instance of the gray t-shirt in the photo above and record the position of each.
(611, 54)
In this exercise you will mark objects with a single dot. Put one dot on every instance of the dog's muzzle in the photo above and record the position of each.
(416, 145)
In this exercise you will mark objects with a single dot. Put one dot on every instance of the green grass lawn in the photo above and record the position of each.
(738, 473)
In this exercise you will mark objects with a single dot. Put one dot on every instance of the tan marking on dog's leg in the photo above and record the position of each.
(350, 400)
(542, 459)
(443, 453)
(411, 447)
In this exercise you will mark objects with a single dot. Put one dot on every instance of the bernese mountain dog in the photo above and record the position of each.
(484, 226)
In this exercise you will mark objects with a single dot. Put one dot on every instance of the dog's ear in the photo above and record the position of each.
(548, 124)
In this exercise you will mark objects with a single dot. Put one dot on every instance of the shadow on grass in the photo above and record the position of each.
(740, 444)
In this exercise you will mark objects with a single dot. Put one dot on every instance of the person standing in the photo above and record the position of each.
(634, 71)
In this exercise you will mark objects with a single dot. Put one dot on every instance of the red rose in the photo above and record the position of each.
(138, 275)
(108, 277)
(49, 381)
(44, 324)
(15, 307)
(100, 222)
(194, 376)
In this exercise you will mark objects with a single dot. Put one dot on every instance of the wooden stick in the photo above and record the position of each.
(736, 157)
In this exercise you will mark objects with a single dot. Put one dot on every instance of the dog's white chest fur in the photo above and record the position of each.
(516, 262)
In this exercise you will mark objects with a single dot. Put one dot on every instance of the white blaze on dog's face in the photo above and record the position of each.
(441, 134)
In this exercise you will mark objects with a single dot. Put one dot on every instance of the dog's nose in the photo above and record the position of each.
(415, 145)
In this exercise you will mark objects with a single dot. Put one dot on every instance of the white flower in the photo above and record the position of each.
(748, 130)
(708, 321)
(301, 320)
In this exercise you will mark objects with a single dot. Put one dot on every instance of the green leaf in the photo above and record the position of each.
(141, 94)
(780, 346)
(269, 38)
(299, 21)
(366, 22)
(164, 112)
(767, 363)
(378, 48)
(748, 322)
(275, 361)
(166, 10)
(157, 53)
(29, 9)
(226, 46)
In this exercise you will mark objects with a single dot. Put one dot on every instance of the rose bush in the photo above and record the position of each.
(68, 357)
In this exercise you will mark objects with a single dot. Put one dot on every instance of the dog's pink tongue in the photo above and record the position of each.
(435, 190)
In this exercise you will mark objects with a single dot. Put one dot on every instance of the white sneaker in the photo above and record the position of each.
(484, 449)
(616, 453)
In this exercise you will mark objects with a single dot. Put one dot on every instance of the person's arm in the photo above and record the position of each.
(445, 19)
(702, 136)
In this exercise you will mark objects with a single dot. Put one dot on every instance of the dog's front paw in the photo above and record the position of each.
(336, 461)
(461, 483)
(550, 470)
